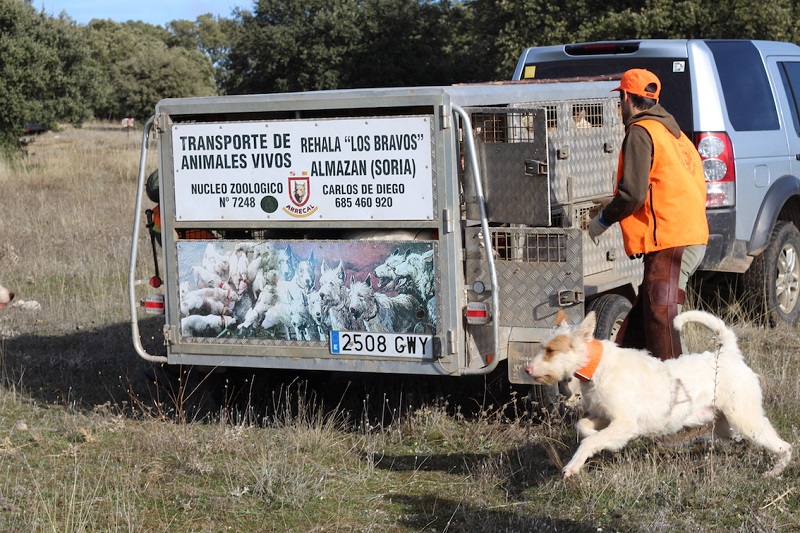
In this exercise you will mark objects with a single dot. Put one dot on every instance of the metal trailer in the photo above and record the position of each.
(427, 231)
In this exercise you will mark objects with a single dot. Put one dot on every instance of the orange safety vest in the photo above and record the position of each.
(674, 212)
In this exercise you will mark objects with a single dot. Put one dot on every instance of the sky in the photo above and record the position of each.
(157, 12)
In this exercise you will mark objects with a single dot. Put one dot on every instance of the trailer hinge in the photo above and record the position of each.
(446, 116)
(447, 221)
(451, 341)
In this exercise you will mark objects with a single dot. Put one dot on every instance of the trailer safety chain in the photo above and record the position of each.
(150, 225)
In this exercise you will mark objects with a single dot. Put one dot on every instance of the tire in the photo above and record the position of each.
(774, 277)
(611, 310)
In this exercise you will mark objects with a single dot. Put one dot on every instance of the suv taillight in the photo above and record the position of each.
(716, 152)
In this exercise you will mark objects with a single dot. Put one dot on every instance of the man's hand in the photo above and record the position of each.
(596, 227)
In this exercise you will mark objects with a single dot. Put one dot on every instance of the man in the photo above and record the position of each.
(660, 204)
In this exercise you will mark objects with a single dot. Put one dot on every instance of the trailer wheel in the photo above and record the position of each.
(774, 277)
(611, 310)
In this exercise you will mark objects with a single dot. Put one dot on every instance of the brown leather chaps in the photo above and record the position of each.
(649, 323)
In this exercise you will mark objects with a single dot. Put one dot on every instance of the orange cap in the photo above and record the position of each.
(635, 80)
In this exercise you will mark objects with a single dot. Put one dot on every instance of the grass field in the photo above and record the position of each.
(89, 443)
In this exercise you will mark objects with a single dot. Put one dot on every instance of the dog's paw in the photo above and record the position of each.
(570, 470)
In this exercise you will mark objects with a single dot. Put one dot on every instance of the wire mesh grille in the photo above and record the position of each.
(551, 113)
(587, 115)
(529, 247)
(583, 214)
(505, 126)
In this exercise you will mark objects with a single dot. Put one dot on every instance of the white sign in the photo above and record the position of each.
(340, 169)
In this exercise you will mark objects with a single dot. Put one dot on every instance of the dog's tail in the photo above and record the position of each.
(726, 339)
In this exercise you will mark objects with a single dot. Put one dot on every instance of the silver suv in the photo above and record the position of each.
(739, 101)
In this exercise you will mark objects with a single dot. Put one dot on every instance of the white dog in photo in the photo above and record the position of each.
(334, 298)
(205, 325)
(319, 315)
(5, 297)
(216, 301)
(629, 393)
(407, 272)
(375, 311)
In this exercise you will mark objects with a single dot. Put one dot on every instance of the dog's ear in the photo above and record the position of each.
(586, 329)
(561, 318)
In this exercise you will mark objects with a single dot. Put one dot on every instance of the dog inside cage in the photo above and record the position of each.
(587, 115)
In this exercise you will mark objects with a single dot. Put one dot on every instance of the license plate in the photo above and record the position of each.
(381, 344)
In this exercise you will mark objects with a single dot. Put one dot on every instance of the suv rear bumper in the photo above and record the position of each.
(724, 253)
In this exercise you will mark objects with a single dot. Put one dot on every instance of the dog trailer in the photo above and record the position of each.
(422, 231)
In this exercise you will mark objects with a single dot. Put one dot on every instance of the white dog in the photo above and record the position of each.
(205, 325)
(266, 299)
(206, 301)
(629, 393)
(5, 296)
(293, 316)
(334, 297)
(375, 311)
(407, 272)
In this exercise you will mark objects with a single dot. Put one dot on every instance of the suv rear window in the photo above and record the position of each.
(676, 94)
(748, 96)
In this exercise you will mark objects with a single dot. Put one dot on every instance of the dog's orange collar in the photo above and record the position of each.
(594, 351)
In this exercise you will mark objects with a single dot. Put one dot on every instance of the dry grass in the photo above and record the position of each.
(88, 444)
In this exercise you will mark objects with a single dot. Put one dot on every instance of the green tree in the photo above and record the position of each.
(405, 43)
(45, 74)
(734, 19)
(209, 34)
(503, 28)
(292, 45)
(139, 68)
(157, 72)
(297, 45)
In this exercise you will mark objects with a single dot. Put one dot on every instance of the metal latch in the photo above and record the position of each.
(160, 123)
(569, 297)
(170, 334)
(535, 168)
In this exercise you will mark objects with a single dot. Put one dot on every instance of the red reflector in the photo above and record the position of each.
(477, 313)
(154, 304)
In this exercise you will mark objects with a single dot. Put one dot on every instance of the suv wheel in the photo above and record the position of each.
(774, 276)
(611, 310)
